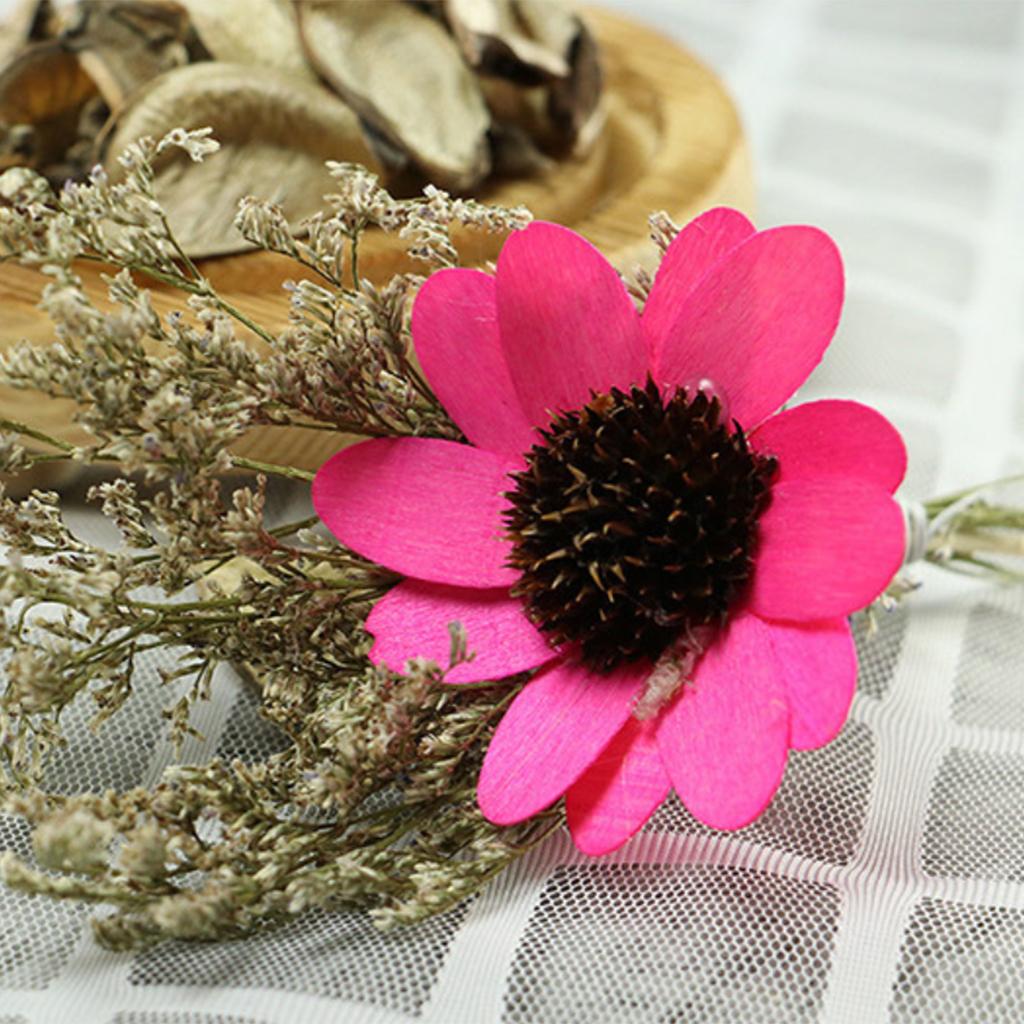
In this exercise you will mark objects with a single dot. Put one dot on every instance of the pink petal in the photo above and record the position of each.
(455, 329)
(818, 662)
(759, 321)
(826, 548)
(568, 325)
(425, 508)
(551, 734)
(693, 252)
(834, 438)
(412, 620)
(724, 740)
(618, 792)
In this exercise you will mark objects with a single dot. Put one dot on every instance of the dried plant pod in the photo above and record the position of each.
(494, 40)
(262, 33)
(28, 22)
(551, 23)
(42, 93)
(398, 68)
(275, 133)
(123, 44)
(525, 110)
(564, 114)
(575, 102)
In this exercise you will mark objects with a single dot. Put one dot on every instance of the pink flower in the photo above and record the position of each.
(652, 528)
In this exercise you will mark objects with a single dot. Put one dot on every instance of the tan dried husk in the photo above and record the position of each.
(275, 132)
(27, 22)
(262, 33)
(42, 94)
(419, 110)
(123, 44)
(404, 75)
(553, 25)
(494, 38)
(563, 113)
(575, 104)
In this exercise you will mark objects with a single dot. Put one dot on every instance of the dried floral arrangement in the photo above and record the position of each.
(514, 84)
(400, 793)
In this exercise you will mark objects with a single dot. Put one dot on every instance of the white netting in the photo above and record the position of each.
(886, 880)
(133, 1017)
(340, 956)
(991, 662)
(686, 943)
(975, 823)
(818, 811)
(960, 963)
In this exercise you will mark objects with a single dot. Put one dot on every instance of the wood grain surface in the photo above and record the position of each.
(673, 141)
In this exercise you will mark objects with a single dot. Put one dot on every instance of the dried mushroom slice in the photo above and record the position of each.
(552, 24)
(524, 110)
(123, 44)
(275, 134)
(28, 22)
(495, 40)
(563, 113)
(262, 33)
(398, 68)
(42, 94)
(575, 102)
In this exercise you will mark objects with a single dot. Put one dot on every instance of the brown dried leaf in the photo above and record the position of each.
(125, 43)
(44, 89)
(28, 23)
(263, 33)
(575, 102)
(275, 133)
(522, 109)
(564, 114)
(495, 40)
(404, 75)
(554, 25)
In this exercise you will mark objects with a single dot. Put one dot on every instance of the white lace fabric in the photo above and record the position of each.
(886, 880)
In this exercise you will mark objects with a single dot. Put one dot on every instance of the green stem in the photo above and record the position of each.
(237, 461)
(37, 435)
(936, 505)
(261, 332)
(270, 468)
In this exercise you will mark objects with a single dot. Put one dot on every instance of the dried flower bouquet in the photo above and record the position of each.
(568, 641)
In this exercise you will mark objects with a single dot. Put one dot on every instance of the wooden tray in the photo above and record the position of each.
(673, 142)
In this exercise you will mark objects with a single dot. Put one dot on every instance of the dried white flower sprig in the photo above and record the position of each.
(375, 757)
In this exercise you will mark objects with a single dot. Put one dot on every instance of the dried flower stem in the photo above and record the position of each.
(370, 802)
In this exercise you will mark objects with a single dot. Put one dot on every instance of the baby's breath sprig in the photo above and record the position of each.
(370, 802)
(979, 531)
(343, 364)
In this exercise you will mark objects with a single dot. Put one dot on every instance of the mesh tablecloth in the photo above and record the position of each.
(886, 880)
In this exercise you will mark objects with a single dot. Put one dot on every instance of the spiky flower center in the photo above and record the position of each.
(634, 523)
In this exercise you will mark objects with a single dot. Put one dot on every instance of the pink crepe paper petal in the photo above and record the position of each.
(618, 792)
(826, 548)
(724, 740)
(834, 438)
(455, 329)
(818, 662)
(423, 507)
(759, 321)
(693, 252)
(568, 325)
(551, 734)
(412, 620)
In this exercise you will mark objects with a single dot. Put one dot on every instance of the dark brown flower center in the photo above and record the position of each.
(634, 523)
